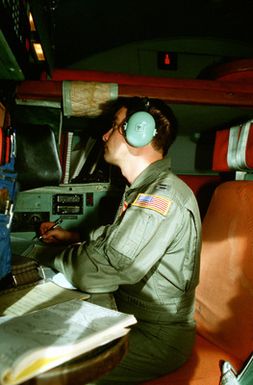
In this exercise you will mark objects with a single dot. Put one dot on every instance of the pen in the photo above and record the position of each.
(56, 223)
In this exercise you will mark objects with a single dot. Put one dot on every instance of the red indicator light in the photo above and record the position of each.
(167, 60)
(89, 199)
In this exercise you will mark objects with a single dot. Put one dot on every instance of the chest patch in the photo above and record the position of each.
(153, 202)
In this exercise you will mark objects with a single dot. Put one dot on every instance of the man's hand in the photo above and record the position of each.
(58, 234)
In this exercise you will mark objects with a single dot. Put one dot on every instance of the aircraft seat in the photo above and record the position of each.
(224, 296)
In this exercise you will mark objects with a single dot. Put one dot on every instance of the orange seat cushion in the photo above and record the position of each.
(224, 297)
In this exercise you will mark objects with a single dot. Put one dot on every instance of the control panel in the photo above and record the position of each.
(65, 204)
(81, 207)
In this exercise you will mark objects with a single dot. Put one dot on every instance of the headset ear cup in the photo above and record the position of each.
(140, 129)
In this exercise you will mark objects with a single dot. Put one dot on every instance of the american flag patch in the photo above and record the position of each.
(153, 202)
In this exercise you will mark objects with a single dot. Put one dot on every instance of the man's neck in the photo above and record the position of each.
(133, 167)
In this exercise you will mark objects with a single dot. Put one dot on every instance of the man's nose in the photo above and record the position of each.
(106, 136)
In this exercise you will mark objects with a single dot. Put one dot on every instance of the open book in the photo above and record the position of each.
(32, 298)
(36, 342)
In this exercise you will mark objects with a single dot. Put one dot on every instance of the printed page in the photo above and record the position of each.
(33, 343)
(36, 297)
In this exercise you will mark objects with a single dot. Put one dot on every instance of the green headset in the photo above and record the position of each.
(139, 128)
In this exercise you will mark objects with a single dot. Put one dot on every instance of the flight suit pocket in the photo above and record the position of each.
(128, 240)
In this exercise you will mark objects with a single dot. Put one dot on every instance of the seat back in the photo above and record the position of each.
(224, 297)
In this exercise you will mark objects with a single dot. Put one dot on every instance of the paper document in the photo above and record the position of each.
(38, 341)
(60, 280)
(36, 297)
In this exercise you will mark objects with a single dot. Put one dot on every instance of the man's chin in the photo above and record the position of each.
(109, 159)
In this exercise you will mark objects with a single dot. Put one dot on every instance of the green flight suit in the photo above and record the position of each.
(149, 258)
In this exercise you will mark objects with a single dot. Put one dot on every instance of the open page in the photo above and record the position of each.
(36, 297)
(41, 340)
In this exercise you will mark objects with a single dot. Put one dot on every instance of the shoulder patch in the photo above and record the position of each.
(153, 202)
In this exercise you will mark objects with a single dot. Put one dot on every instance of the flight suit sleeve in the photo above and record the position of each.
(121, 253)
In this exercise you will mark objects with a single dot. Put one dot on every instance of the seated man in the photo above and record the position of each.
(149, 255)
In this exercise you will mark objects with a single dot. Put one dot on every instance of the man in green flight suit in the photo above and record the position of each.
(149, 256)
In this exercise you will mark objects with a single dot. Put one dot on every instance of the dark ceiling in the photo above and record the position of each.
(77, 29)
(72, 31)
